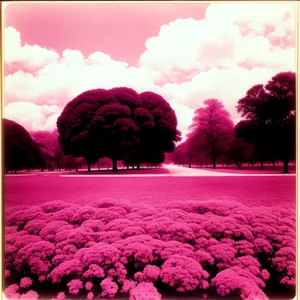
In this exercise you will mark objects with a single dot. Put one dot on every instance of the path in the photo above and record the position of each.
(191, 172)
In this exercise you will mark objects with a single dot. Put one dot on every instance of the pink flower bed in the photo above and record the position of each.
(111, 247)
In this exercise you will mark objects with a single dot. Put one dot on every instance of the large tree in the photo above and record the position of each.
(271, 110)
(212, 129)
(20, 150)
(116, 123)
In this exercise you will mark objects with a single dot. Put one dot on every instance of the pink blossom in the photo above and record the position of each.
(109, 287)
(101, 253)
(108, 237)
(30, 295)
(90, 295)
(7, 273)
(11, 292)
(54, 206)
(75, 286)
(179, 232)
(61, 296)
(66, 268)
(20, 218)
(144, 291)
(128, 285)
(48, 233)
(95, 225)
(228, 282)
(82, 214)
(88, 286)
(35, 226)
(65, 214)
(132, 231)
(222, 252)
(126, 244)
(150, 273)
(25, 282)
(183, 273)
(94, 271)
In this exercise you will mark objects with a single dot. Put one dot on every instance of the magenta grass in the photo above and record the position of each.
(149, 236)
(37, 189)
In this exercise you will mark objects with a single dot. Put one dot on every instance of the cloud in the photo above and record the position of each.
(227, 86)
(187, 62)
(29, 56)
(255, 19)
(33, 117)
(231, 35)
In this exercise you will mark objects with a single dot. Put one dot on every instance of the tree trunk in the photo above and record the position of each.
(238, 165)
(214, 161)
(285, 166)
(261, 164)
(115, 166)
(89, 166)
(58, 164)
(127, 167)
(190, 162)
(273, 163)
(138, 166)
(15, 171)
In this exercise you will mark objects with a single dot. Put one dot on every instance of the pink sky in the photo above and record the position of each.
(187, 52)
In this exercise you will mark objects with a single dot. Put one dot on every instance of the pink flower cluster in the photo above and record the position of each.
(111, 247)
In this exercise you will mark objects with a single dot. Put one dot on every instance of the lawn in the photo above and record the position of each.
(37, 189)
(139, 237)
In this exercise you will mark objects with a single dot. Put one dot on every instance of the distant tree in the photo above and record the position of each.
(240, 151)
(51, 149)
(20, 150)
(112, 123)
(179, 156)
(212, 129)
(271, 111)
(256, 133)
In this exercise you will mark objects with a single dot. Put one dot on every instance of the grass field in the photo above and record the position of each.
(37, 189)
(146, 222)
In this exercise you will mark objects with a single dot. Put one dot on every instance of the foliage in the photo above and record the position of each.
(211, 131)
(20, 150)
(271, 121)
(118, 123)
(113, 246)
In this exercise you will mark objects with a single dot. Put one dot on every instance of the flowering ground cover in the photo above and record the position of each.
(149, 238)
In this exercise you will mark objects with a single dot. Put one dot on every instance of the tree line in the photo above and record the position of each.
(266, 134)
(103, 127)
(100, 125)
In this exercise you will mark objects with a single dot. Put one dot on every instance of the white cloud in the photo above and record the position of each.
(31, 56)
(31, 116)
(189, 61)
(232, 34)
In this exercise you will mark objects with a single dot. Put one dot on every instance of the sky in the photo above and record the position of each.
(186, 52)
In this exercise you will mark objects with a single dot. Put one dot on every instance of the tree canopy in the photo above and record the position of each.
(212, 130)
(50, 147)
(270, 118)
(118, 123)
(20, 150)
